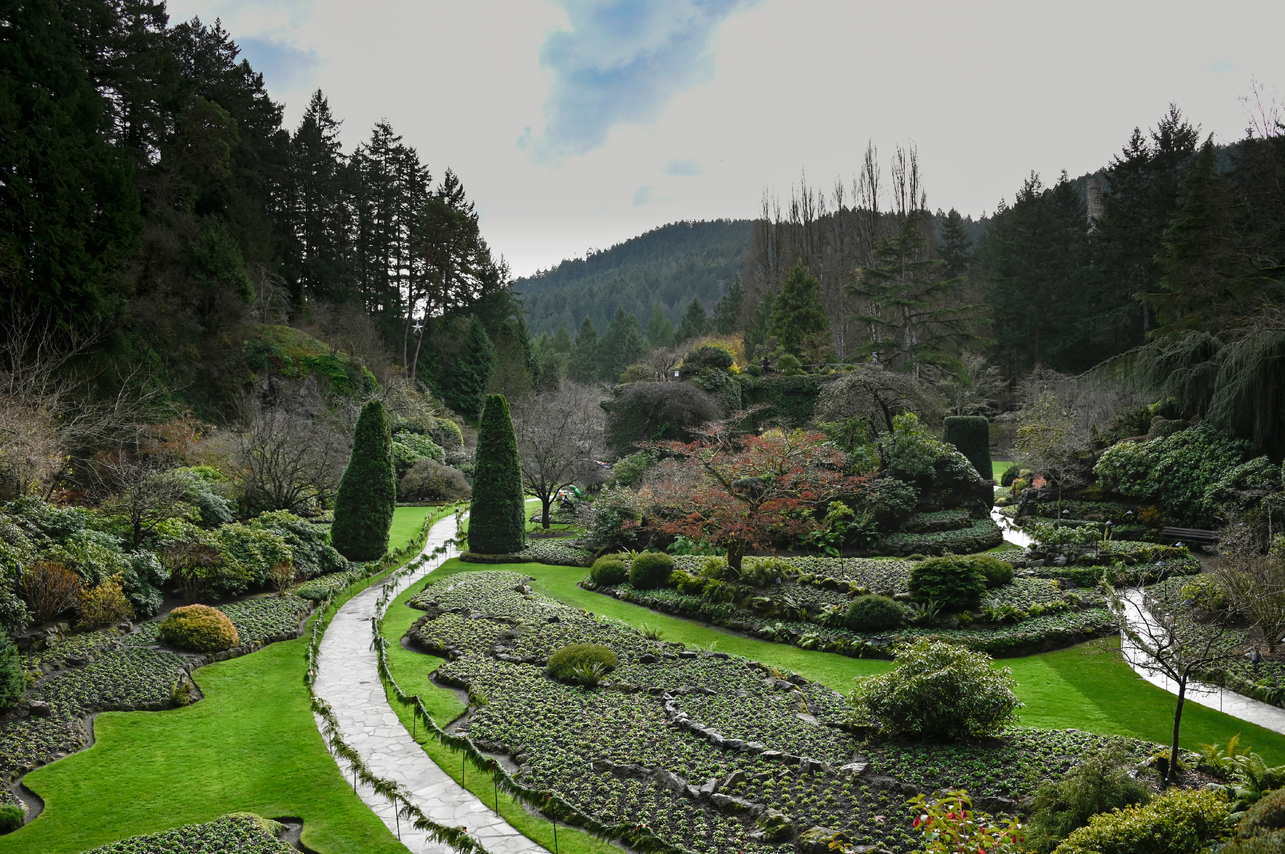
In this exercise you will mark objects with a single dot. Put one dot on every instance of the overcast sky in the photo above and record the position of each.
(581, 123)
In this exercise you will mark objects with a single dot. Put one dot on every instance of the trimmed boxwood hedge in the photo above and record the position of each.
(497, 514)
(368, 492)
(651, 570)
(971, 434)
(608, 570)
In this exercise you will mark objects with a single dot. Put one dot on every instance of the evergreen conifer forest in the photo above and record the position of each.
(850, 526)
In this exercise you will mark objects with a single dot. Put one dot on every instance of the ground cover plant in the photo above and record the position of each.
(805, 601)
(279, 758)
(713, 720)
(233, 834)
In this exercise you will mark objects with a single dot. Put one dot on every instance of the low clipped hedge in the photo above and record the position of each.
(11, 817)
(873, 614)
(609, 570)
(566, 665)
(199, 628)
(651, 570)
(1179, 822)
(997, 572)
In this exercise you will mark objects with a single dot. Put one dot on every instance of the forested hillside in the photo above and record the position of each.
(668, 266)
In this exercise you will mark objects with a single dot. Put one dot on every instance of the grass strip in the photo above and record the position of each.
(251, 745)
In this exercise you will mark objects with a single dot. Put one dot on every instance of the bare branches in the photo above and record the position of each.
(559, 434)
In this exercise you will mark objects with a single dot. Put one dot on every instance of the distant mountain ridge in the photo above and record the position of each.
(670, 265)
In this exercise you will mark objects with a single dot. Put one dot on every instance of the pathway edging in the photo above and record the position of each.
(348, 680)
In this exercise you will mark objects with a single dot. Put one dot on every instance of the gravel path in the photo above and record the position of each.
(348, 680)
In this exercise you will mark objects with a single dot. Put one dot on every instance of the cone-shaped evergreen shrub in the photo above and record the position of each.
(368, 491)
(497, 516)
(971, 434)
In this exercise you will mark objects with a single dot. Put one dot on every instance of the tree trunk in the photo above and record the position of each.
(1177, 722)
(545, 501)
(734, 554)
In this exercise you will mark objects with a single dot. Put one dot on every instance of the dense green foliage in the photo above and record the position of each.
(650, 570)
(872, 613)
(497, 514)
(1099, 784)
(368, 491)
(951, 582)
(239, 833)
(199, 628)
(1176, 471)
(608, 570)
(429, 480)
(1178, 822)
(798, 320)
(13, 679)
(937, 690)
(971, 436)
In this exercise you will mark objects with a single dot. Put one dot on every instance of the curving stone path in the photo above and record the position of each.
(1203, 693)
(348, 680)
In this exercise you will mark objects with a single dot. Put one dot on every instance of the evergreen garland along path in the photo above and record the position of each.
(251, 745)
(1087, 687)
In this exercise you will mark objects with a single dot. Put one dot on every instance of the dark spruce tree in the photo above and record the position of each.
(368, 491)
(497, 516)
(472, 371)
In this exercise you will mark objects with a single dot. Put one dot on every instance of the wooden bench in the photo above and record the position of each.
(1189, 535)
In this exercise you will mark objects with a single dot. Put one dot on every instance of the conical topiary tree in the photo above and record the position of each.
(368, 491)
(497, 516)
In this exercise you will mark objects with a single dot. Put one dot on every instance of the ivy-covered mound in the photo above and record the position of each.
(712, 752)
(103, 671)
(241, 833)
(805, 601)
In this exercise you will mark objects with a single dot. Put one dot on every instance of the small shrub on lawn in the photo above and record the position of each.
(11, 817)
(873, 614)
(651, 570)
(429, 480)
(952, 582)
(581, 663)
(1098, 784)
(608, 570)
(104, 605)
(199, 628)
(937, 691)
(1179, 822)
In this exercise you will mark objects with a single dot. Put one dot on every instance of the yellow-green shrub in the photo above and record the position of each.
(104, 605)
(1179, 822)
(199, 628)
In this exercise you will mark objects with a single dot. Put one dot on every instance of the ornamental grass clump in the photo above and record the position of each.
(651, 570)
(199, 628)
(937, 691)
(1098, 784)
(581, 664)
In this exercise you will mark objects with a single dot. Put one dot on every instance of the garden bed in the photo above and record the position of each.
(711, 752)
(232, 834)
(979, 536)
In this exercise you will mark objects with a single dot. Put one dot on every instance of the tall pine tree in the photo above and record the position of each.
(798, 320)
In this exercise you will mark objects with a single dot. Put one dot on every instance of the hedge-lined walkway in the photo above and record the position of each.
(348, 680)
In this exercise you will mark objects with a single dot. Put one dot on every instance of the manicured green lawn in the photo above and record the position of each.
(1087, 687)
(250, 745)
(998, 467)
(407, 523)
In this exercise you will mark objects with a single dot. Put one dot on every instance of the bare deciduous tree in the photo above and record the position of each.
(291, 454)
(559, 434)
(142, 493)
(1255, 582)
(1154, 640)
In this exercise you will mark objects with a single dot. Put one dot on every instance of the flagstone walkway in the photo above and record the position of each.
(348, 680)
